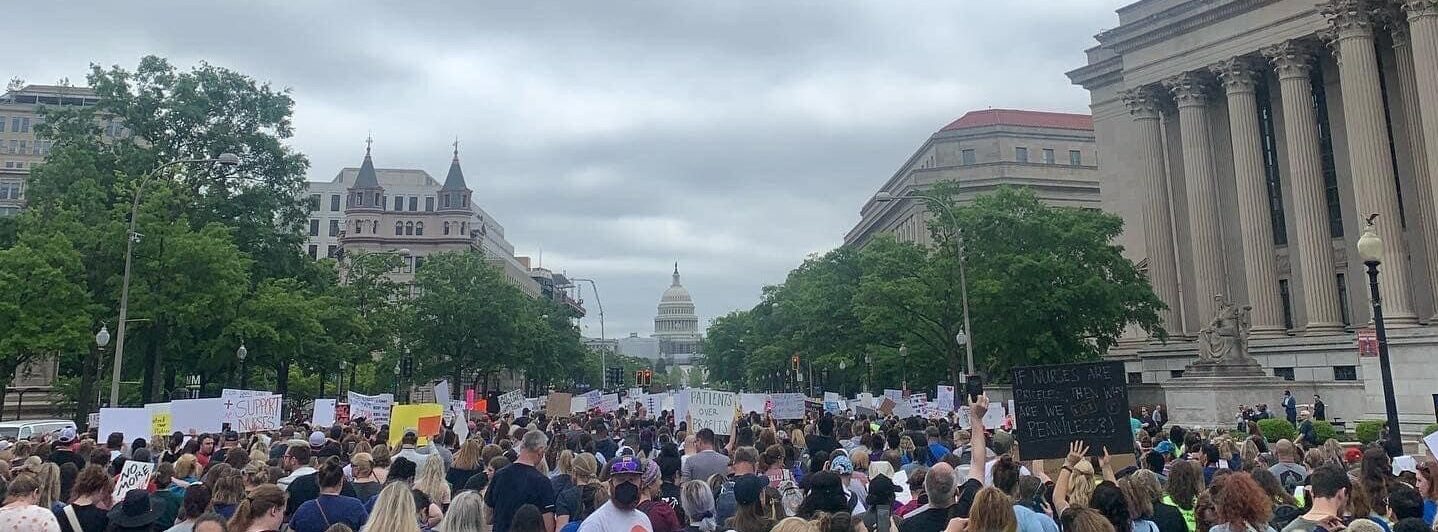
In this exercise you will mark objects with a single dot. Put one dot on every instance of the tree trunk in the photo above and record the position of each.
(282, 378)
(89, 367)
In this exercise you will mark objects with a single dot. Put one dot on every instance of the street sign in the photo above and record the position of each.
(1367, 342)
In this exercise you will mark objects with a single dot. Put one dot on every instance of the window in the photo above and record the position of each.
(359, 226)
(966, 156)
(1075, 157)
(1268, 144)
(1343, 300)
(446, 228)
(1021, 154)
(429, 204)
(2, 124)
(334, 202)
(1285, 373)
(10, 190)
(418, 261)
(314, 251)
(1135, 377)
(15, 124)
(462, 228)
(314, 202)
(398, 228)
(14, 146)
(35, 148)
(314, 227)
(1345, 373)
(1325, 150)
(398, 203)
(413, 203)
(444, 200)
(1048, 156)
(409, 228)
(378, 200)
(1175, 373)
(335, 226)
(1286, 296)
(419, 229)
(24, 146)
(330, 251)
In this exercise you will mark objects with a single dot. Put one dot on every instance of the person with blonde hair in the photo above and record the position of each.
(1081, 519)
(394, 511)
(467, 464)
(794, 524)
(697, 500)
(992, 511)
(22, 512)
(365, 482)
(431, 481)
(587, 493)
(466, 513)
(261, 510)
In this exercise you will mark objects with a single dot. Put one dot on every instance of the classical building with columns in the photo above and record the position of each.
(1245, 142)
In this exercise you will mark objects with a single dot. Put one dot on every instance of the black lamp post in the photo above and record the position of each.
(1370, 248)
(869, 375)
(241, 354)
(904, 360)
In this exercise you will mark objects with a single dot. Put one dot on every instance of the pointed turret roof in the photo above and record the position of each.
(367, 177)
(455, 179)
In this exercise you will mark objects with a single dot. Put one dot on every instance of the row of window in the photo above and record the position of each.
(1340, 373)
(15, 165)
(1285, 294)
(25, 147)
(1021, 154)
(18, 124)
(11, 190)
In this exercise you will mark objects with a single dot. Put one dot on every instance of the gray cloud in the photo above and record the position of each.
(735, 137)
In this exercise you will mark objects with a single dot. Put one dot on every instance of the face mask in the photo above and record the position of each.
(626, 496)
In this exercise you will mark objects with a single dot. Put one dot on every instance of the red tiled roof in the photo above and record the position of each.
(1016, 117)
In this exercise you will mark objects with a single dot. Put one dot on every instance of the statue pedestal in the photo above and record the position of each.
(1247, 367)
(1211, 398)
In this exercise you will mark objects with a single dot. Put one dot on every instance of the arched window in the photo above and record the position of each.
(359, 226)
(409, 228)
(398, 228)
(378, 201)
(419, 229)
(446, 228)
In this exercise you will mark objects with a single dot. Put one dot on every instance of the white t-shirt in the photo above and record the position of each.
(607, 518)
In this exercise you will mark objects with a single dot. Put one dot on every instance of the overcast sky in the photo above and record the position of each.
(735, 137)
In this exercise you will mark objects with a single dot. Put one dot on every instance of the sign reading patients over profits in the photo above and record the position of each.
(712, 410)
(1055, 405)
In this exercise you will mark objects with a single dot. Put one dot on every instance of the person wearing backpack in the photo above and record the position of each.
(746, 460)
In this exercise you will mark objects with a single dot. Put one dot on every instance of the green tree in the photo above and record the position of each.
(44, 310)
(465, 319)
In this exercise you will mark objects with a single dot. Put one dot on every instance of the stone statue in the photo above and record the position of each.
(1225, 340)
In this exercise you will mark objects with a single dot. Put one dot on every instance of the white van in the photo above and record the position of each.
(28, 428)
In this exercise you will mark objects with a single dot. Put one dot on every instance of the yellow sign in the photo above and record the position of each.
(160, 423)
(425, 419)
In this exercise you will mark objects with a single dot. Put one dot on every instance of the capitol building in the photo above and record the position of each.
(676, 326)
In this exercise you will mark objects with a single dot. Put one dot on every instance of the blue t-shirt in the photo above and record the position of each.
(936, 453)
(1430, 509)
(318, 514)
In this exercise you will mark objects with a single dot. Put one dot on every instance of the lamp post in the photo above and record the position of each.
(904, 361)
(1370, 248)
(102, 339)
(339, 391)
(869, 376)
(241, 354)
(885, 197)
(843, 364)
(225, 159)
(603, 343)
(396, 380)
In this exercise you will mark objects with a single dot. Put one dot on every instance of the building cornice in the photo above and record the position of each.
(1180, 19)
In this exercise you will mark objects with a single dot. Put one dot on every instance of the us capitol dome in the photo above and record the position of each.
(676, 325)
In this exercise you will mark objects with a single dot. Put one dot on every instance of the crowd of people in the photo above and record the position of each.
(630, 472)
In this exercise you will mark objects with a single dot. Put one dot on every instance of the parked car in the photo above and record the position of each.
(29, 428)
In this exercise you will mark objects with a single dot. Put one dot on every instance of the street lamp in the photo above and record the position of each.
(603, 340)
(339, 392)
(904, 361)
(102, 338)
(241, 354)
(226, 160)
(885, 197)
(842, 366)
(396, 379)
(869, 377)
(1370, 248)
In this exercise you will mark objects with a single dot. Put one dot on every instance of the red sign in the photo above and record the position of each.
(1367, 343)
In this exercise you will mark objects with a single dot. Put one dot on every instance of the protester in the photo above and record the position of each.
(135, 513)
(431, 480)
(467, 464)
(394, 510)
(329, 506)
(86, 512)
(620, 513)
(465, 513)
(521, 483)
(661, 515)
(196, 502)
(697, 501)
(707, 462)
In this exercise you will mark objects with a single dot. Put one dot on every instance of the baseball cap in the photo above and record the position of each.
(748, 487)
(67, 434)
(626, 465)
(317, 439)
(841, 464)
(1352, 455)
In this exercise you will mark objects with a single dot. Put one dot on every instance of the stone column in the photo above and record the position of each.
(1311, 251)
(1144, 104)
(1239, 79)
(1191, 91)
(1418, 77)
(1369, 160)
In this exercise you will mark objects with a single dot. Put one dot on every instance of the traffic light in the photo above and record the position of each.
(795, 361)
(648, 377)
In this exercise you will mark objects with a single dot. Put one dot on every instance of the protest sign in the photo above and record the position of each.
(944, 399)
(578, 405)
(788, 405)
(557, 405)
(831, 407)
(681, 404)
(132, 422)
(92, 419)
(592, 396)
(713, 410)
(159, 419)
(919, 404)
(608, 402)
(342, 413)
(423, 418)
(886, 405)
(903, 410)
(653, 403)
(323, 414)
(135, 475)
(197, 415)
(511, 402)
(1058, 404)
(896, 395)
(633, 393)
(253, 413)
(229, 393)
(375, 408)
(752, 402)
(460, 420)
(441, 392)
(1432, 441)
(831, 396)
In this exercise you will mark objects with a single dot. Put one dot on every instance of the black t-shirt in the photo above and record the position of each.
(92, 519)
(1168, 518)
(930, 520)
(514, 486)
(816, 443)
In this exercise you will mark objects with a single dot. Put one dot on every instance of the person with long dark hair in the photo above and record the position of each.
(329, 508)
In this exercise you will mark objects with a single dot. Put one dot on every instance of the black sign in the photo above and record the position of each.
(1059, 404)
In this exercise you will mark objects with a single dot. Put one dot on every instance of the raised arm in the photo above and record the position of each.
(978, 441)
(1077, 450)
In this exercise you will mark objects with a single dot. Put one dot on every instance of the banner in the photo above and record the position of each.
(253, 413)
(557, 405)
(607, 403)
(1058, 404)
(423, 418)
(375, 408)
(323, 414)
(160, 421)
(197, 415)
(713, 410)
(788, 405)
(135, 476)
(229, 393)
(753, 402)
(511, 402)
(132, 422)
(592, 396)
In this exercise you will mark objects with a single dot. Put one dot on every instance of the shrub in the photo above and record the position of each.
(1277, 429)
(1369, 431)
(1323, 430)
(1430, 429)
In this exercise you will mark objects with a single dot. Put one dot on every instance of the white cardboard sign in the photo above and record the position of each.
(132, 422)
(323, 414)
(511, 402)
(374, 408)
(135, 475)
(197, 415)
(255, 413)
(713, 410)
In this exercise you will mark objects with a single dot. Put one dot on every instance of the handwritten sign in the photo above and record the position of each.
(511, 402)
(253, 413)
(375, 408)
(753, 402)
(230, 393)
(653, 403)
(896, 395)
(160, 419)
(944, 399)
(608, 402)
(135, 475)
(1057, 404)
(788, 405)
(323, 414)
(713, 410)
(557, 405)
(455, 413)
